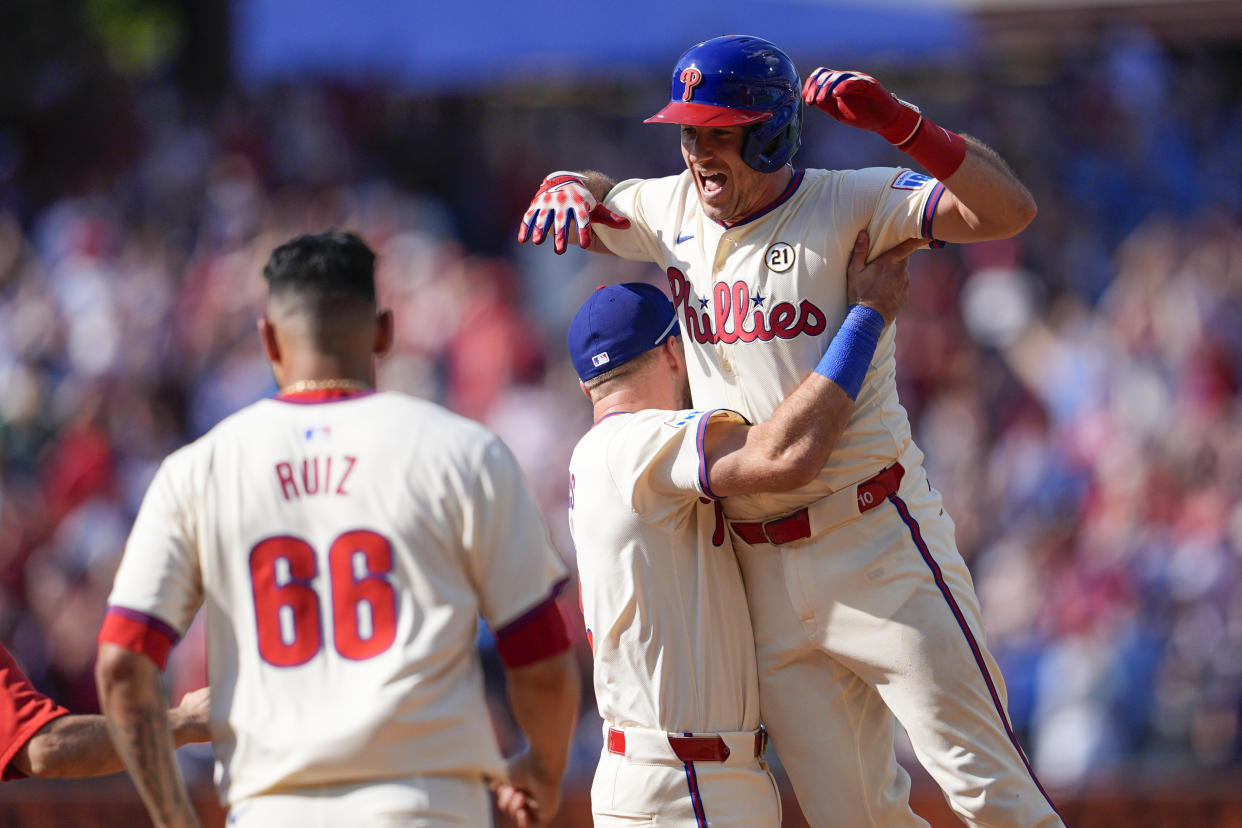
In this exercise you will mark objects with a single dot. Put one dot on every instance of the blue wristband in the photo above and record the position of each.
(849, 355)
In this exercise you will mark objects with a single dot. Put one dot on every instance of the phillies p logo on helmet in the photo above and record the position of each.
(739, 80)
(691, 77)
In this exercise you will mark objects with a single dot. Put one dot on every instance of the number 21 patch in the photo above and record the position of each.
(780, 257)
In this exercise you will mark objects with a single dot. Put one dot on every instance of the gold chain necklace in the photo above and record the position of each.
(302, 386)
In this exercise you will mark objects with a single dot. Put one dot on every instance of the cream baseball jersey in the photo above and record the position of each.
(343, 551)
(662, 595)
(760, 301)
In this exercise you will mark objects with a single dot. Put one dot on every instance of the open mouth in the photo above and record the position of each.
(712, 184)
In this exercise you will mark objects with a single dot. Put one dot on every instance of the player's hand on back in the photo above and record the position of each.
(884, 283)
(530, 797)
(859, 100)
(561, 198)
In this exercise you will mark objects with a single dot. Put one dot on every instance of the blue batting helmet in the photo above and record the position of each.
(738, 80)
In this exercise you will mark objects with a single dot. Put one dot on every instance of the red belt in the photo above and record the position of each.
(690, 748)
(870, 493)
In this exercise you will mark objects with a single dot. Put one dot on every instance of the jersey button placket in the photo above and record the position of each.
(723, 350)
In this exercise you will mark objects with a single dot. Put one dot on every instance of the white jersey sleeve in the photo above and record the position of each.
(655, 468)
(160, 570)
(645, 202)
(499, 516)
(893, 204)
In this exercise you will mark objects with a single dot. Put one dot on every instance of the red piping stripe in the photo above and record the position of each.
(917, 536)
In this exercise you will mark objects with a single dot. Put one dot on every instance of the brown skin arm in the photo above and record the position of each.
(78, 745)
(983, 200)
(136, 711)
(789, 450)
(544, 697)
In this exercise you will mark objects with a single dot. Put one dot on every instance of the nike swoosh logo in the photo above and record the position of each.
(681, 238)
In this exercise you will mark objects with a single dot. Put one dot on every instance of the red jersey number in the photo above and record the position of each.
(358, 562)
(287, 607)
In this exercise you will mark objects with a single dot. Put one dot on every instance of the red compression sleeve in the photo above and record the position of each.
(940, 151)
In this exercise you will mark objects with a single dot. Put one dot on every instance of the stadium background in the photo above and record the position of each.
(1077, 389)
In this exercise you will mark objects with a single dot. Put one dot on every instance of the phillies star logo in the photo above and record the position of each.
(691, 77)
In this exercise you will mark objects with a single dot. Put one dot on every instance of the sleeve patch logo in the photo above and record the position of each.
(780, 257)
(910, 180)
(681, 418)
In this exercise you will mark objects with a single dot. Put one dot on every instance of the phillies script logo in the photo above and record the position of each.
(691, 77)
(741, 318)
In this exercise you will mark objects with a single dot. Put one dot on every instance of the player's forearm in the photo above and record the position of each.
(791, 448)
(988, 201)
(544, 698)
(79, 745)
(598, 183)
(71, 746)
(137, 716)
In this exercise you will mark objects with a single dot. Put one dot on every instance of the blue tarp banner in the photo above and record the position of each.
(471, 44)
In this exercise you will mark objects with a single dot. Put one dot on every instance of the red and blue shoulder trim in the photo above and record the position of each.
(929, 214)
(139, 632)
(536, 634)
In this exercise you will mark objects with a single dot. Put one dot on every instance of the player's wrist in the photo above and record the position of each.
(905, 123)
(878, 309)
(848, 358)
(940, 151)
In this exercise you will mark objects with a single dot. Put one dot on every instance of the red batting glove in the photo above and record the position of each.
(562, 196)
(859, 100)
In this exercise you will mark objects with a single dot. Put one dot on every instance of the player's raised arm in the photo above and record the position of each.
(788, 450)
(566, 197)
(983, 200)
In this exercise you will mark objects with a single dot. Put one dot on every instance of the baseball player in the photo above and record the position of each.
(662, 597)
(343, 543)
(40, 738)
(860, 602)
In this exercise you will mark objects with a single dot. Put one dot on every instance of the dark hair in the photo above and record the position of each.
(322, 266)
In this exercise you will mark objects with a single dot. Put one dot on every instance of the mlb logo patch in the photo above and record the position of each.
(600, 359)
(910, 180)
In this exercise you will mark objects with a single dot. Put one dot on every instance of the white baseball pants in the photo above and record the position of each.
(872, 619)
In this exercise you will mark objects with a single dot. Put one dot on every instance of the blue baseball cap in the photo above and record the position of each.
(617, 323)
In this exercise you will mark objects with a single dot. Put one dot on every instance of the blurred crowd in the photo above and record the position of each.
(1076, 390)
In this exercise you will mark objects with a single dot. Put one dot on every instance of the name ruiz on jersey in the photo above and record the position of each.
(314, 476)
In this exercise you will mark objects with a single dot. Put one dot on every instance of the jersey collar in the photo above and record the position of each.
(606, 416)
(322, 395)
(790, 189)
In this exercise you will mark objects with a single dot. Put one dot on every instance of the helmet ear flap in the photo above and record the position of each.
(770, 144)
